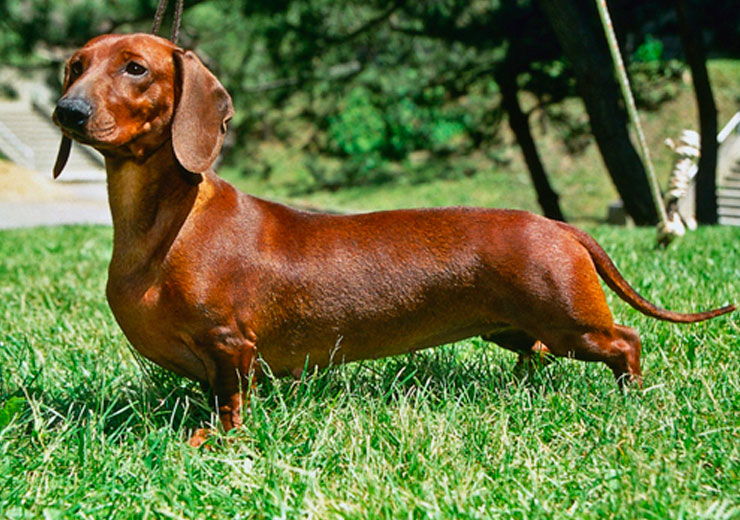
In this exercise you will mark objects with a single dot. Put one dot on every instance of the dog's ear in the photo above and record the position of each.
(201, 114)
(66, 144)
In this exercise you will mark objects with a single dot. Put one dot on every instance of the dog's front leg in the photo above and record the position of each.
(234, 375)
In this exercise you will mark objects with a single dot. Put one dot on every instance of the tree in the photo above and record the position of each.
(575, 26)
(455, 45)
(706, 184)
(515, 32)
(546, 196)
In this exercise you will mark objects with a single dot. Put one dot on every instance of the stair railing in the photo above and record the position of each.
(15, 149)
(728, 128)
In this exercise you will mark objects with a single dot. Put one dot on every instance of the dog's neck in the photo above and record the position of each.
(149, 202)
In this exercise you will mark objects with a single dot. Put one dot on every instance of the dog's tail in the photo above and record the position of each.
(616, 282)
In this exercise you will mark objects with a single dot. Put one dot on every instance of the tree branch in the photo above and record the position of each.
(339, 72)
(344, 38)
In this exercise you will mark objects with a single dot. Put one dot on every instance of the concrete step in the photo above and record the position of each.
(728, 192)
(729, 211)
(726, 202)
(729, 221)
(731, 184)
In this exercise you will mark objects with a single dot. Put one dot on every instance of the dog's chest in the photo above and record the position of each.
(150, 322)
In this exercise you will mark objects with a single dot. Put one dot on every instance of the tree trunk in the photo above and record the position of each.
(574, 24)
(706, 178)
(519, 123)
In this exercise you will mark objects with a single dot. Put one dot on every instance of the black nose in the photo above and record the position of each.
(73, 113)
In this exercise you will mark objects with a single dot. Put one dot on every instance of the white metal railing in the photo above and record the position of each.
(728, 128)
(731, 125)
(16, 150)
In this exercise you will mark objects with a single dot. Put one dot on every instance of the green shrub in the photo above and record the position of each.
(371, 130)
(650, 50)
(359, 128)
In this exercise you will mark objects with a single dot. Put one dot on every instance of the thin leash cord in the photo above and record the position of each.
(159, 15)
(176, 21)
(632, 109)
(161, 8)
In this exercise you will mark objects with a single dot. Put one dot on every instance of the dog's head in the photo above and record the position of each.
(126, 95)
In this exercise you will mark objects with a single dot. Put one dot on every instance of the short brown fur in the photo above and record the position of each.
(204, 280)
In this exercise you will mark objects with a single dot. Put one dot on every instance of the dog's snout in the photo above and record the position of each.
(73, 113)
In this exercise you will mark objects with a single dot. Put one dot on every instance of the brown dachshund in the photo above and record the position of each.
(205, 280)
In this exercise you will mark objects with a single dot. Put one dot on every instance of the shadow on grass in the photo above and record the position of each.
(162, 400)
(441, 374)
(123, 409)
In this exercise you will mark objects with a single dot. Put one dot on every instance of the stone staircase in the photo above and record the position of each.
(728, 199)
(728, 181)
(29, 138)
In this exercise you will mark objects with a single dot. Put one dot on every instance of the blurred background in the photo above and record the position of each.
(357, 105)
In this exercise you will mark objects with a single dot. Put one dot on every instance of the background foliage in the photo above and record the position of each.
(369, 90)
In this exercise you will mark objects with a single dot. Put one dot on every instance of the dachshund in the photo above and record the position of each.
(217, 285)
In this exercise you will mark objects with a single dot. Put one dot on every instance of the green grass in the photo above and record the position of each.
(88, 431)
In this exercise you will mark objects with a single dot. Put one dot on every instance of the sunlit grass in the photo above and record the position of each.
(87, 431)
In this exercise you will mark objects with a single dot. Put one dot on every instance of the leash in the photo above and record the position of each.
(629, 101)
(159, 14)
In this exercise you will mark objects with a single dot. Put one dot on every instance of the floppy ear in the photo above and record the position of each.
(66, 144)
(201, 114)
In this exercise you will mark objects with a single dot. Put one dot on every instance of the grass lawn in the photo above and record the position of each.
(87, 430)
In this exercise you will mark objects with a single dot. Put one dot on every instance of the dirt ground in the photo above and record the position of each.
(19, 184)
(28, 199)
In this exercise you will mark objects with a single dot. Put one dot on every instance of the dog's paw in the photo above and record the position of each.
(199, 437)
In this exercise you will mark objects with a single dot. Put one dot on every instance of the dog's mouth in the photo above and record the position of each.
(89, 136)
(101, 134)
(79, 120)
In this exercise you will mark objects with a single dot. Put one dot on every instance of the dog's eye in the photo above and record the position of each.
(76, 68)
(135, 69)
